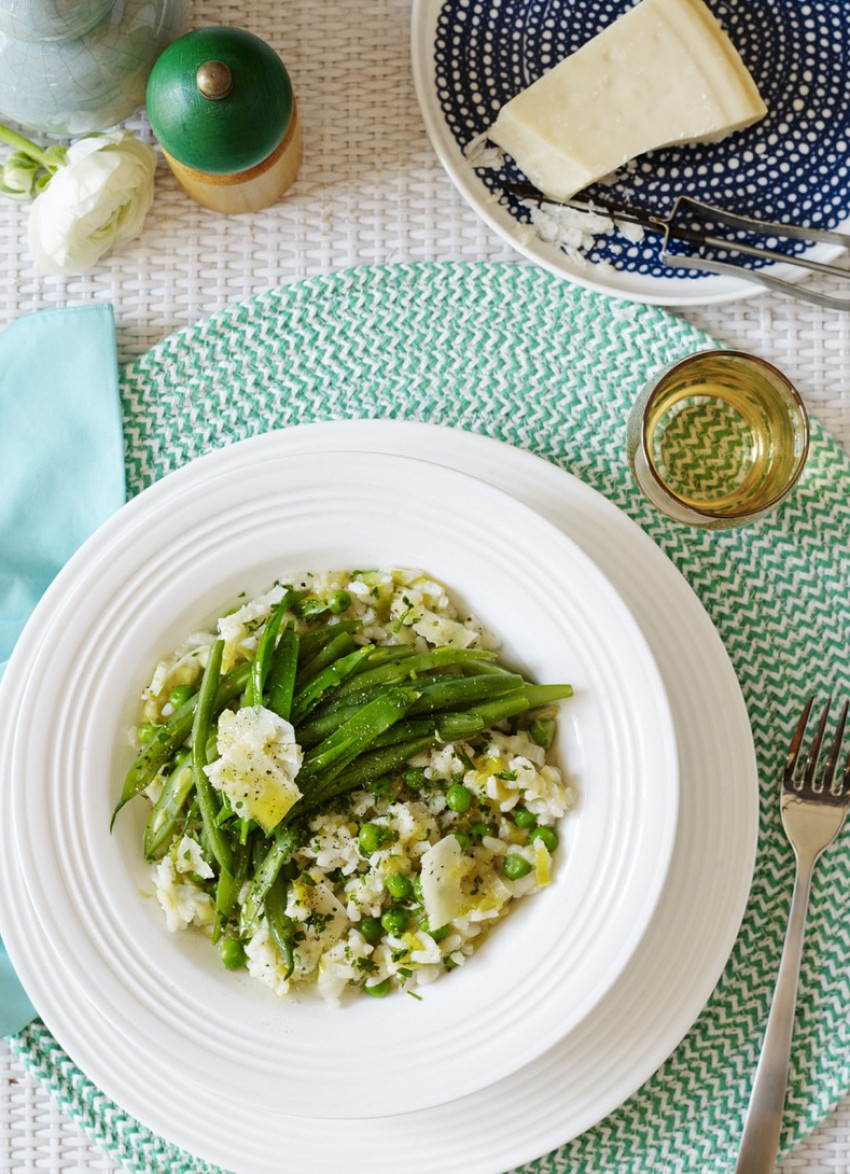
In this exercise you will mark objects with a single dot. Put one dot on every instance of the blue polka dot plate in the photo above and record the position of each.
(472, 56)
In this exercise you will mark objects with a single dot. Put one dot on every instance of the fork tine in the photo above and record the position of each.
(796, 743)
(835, 750)
(814, 753)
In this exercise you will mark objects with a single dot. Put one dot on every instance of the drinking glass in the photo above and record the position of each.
(717, 439)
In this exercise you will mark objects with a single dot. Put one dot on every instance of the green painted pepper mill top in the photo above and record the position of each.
(220, 101)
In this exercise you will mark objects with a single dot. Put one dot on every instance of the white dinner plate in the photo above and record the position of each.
(165, 566)
(471, 56)
(663, 988)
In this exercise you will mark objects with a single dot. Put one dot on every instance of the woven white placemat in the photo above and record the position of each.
(370, 191)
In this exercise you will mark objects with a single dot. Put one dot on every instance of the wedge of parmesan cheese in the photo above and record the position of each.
(663, 73)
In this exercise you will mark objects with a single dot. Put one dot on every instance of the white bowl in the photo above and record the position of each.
(235, 521)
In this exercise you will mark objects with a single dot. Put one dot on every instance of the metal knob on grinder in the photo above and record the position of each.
(221, 105)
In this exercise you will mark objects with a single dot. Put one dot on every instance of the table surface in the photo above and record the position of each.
(370, 191)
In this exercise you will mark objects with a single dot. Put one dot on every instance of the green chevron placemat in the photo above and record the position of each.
(512, 352)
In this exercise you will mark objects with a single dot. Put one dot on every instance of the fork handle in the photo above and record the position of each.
(760, 1139)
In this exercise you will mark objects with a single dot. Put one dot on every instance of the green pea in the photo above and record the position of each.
(464, 840)
(371, 928)
(394, 920)
(399, 886)
(515, 866)
(479, 830)
(372, 836)
(146, 731)
(417, 889)
(414, 777)
(378, 989)
(339, 602)
(547, 837)
(180, 694)
(524, 818)
(232, 953)
(459, 798)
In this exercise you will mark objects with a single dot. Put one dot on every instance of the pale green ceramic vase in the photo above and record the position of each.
(69, 67)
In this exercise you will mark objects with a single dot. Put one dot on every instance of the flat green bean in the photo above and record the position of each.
(325, 681)
(450, 692)
(171, 736)
(338, 647)
(312, 642)
(166, 811)
(265, 650)
(201, 728)
(281, 678)
(228, 886)
(281, 926)
(408, 667)
(265, 874)
(368, 767)
(353, 738)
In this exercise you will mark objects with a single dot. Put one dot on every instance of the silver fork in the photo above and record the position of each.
(813, 808)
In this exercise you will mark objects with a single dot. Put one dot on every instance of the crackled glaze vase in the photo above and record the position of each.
(69, 67)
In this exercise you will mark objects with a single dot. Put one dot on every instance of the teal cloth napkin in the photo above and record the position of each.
(61, 475)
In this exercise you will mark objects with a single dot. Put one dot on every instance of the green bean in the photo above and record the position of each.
(340, 646)
(388, 653)
(265, 650)
(491, 665)
(451, 692)
(265, 874)
(451, 727)
(281, 678)
(171, 736)
(312, 732)
(228, 886)
(367, 767)
(539, 695)
(201, 727)
(439, 691)
(422, 662)
(404, 731)
(353, 738)
(281, 926)
(312, 642)
(162, 820)
(350, 703)
(454, 727)
(331, 676)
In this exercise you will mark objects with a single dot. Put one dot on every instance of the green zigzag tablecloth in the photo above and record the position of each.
(512, 352)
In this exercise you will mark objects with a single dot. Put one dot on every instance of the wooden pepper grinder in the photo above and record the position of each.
(220, 103)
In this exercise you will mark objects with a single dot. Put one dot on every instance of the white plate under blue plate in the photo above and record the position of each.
(471, 56)
(646, 1013)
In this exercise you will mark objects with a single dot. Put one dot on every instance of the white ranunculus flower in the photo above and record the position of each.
(98, 198)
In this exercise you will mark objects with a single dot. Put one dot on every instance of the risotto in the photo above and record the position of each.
(349, 790)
